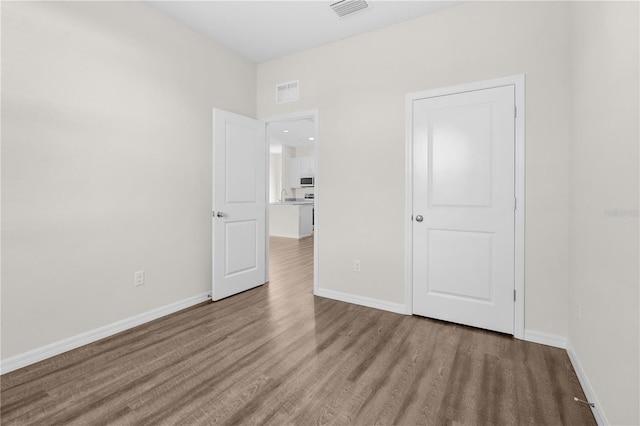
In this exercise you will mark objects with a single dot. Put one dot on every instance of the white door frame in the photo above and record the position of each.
(518, 81)
(314, 115)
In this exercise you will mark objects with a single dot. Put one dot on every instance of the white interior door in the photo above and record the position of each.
(239, 205)
(463, 208)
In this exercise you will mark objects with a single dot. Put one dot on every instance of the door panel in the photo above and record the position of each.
(241, 241)
(450, 249)
(240, 163)
(463, 250)
(460, 160)
(239, 204)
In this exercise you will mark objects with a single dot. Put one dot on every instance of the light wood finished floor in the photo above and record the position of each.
(278, 355)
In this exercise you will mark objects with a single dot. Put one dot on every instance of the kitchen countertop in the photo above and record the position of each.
(292, 203)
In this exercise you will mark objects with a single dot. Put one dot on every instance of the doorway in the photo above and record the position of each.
(465, 204)
(293, 182)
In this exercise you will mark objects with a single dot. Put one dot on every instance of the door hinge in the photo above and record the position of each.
(515, 111)
(514, 295)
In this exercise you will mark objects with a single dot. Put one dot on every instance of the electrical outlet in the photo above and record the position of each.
(356, 266)
(138, 278)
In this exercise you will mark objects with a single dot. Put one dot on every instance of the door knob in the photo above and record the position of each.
(220, 214)
(419, 218)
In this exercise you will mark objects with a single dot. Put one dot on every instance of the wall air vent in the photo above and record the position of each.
(287, 92)
(347, 7)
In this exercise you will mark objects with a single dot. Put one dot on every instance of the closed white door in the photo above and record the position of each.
(239, 205)
(463, 208)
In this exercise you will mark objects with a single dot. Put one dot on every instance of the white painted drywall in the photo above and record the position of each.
(275, 177)
(106, 165)
(359, 85)
(288, 153)
(604, 203)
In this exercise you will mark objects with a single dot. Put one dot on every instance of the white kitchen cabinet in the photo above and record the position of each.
(294, 172)
(306, 166)
(306, 220)
(300, 167)
(290, 220)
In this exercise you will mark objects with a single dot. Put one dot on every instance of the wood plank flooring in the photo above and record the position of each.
(279, 355)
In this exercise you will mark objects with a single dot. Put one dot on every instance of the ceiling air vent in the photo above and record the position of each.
(347, 7)
(287, 92)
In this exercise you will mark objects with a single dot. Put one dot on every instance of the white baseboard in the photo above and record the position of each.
(398, 308)
(564, 343)
(48, 351)
(589, 393)
(548, 339)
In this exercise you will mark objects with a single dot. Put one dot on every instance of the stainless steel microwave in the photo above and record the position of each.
(306, 181)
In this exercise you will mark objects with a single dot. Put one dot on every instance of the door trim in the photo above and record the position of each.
(315, 115)
(518, 81)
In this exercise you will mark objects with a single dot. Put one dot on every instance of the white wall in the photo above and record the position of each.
(359, 86)
(275, 177)
(604, 179)
(288, 153)
(106, 165)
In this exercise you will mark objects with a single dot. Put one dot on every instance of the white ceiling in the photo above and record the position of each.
(265, 30)
(293, 133)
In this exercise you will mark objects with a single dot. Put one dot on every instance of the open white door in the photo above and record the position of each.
(463, 207)
(239, 205)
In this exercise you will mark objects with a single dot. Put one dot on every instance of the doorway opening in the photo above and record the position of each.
(292, 189)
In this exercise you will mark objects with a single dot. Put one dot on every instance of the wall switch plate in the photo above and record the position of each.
(138, 278)
(356, 266)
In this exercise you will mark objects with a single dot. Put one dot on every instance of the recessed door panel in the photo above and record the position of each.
(460, 160)
(460, 264)
(240, 163)
(241, 241)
